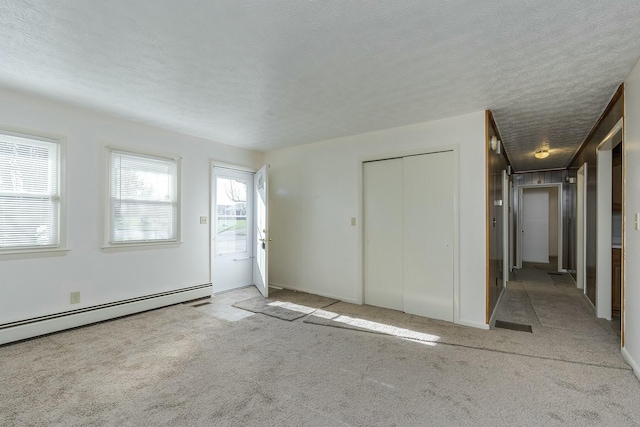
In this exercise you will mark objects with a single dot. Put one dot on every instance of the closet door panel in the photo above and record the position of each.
(383, 235)
(428, 219)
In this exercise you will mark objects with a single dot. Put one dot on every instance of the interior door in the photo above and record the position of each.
(261, 261)
(232, 230)
(535, 224)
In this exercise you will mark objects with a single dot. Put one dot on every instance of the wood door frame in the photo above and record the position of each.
(560, 225)
(456, 220)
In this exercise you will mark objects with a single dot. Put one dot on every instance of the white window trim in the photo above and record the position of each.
(61, 248)
(109, 246)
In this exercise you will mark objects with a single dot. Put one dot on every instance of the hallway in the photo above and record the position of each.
(552, 305)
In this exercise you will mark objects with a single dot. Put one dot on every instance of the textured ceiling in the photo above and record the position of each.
(271, 74)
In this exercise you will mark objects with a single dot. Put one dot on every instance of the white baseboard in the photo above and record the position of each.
(473, 324)
(314, 292)
(17, 331)
(627, 357)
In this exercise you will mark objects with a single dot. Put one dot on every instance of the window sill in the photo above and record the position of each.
(140, 246)
(32, 253)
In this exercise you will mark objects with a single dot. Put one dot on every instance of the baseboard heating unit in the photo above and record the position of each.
(29, 328)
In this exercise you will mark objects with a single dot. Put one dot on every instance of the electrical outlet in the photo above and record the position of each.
(75, 297)
(353, 222)
(203, 220)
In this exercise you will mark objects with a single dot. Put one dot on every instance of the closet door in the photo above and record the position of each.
(383, 235)
(428, 218)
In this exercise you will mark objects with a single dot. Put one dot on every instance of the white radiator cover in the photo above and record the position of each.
(30, 328)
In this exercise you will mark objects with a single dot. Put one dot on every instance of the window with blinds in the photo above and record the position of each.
(144, 202)
(29, 193)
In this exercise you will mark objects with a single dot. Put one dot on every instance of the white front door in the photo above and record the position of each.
(261, 243)
(232, 229)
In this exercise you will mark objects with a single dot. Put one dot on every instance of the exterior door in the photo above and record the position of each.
(261, 243)
(232, 229)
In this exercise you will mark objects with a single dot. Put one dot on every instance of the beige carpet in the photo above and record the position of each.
(597, 346)
(180, 367)
(285, 304)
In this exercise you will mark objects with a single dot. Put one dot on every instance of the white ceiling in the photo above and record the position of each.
(270, 74)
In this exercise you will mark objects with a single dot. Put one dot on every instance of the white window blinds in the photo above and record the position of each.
(29, 193)
(144, 199)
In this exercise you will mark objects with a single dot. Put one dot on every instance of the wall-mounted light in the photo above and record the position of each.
(495, 144)
(542, 154)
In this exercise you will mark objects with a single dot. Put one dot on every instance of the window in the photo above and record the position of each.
(29, 193)
(144, 199)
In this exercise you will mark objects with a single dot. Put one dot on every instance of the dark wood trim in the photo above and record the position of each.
(488, 120)
(616, 96)
(492, 121)
(622, 263)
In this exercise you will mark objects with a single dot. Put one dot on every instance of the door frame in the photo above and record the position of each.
(603, 222)
(560, 225)
(506, 222)
(456, 219)
(581, 228)
(212, 203)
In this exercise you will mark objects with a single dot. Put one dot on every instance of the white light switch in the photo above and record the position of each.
(203, 220)
(353, 222)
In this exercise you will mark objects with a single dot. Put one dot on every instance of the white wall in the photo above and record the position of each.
(35, 287)
(553, 221)
(314, 193)
(631, 236)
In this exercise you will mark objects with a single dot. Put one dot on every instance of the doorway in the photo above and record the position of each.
(239, 235)
(232, 229)
(540, 226)
(609, 229)
(409, 234)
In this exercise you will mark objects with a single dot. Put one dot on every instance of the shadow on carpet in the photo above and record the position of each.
(286, 304)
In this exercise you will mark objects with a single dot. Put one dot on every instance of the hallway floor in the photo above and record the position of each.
(552, 304)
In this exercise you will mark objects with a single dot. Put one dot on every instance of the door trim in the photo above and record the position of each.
(560, 224)
(581, 235)
(456, 220)
(603, 221)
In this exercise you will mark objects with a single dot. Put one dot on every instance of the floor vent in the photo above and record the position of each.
(513, 326)
(555, 274)
(201, 304)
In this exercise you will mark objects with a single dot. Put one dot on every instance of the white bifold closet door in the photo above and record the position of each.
(409, 229)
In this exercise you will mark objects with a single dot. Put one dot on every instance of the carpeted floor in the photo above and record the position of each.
(179, 366)
(285, 304)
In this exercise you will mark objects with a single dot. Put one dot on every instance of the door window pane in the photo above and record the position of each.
(231, 216)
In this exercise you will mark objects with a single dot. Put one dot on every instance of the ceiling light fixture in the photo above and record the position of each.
(542, 154)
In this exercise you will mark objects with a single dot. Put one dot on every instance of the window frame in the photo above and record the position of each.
(109, 245)
(21, 252)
